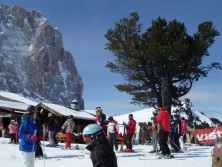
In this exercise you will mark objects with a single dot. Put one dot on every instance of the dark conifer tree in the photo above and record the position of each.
(160, 64)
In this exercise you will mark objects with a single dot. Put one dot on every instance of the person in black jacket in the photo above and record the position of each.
(175, 126)
(102, 155)
(51, 123)
(39, 124)
(101, 119)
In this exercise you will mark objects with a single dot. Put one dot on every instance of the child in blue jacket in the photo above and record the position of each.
(27, 136)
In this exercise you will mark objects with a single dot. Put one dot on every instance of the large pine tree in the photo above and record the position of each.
(160, 64)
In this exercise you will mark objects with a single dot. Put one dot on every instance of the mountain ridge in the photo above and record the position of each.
(34, 62)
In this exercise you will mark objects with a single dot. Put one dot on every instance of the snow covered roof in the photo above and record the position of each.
(61, 110)
(17, 102)
(13, 105)
(16, 97)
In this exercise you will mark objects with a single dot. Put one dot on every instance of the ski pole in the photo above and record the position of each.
(177, 147)
(34, 141)
(43, 127)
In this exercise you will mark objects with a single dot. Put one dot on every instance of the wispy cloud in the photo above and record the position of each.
(202, 96)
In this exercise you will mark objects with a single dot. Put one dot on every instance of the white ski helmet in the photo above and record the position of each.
(93, 130)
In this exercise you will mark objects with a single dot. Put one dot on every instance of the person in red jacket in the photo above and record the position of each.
(163, 119)
(130, 130)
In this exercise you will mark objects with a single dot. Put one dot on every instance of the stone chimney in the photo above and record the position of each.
(75, 105)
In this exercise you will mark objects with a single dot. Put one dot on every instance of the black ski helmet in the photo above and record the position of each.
(31, 109)
(110, 118)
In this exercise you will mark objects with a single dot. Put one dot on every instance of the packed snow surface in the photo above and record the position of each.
(196, 156)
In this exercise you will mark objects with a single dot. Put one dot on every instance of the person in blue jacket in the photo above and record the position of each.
(27, 136)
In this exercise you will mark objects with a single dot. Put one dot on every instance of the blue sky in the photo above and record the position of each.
(83, 24)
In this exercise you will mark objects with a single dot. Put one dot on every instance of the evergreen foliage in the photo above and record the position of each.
(216, 121)
(160, 64)
(203, 125)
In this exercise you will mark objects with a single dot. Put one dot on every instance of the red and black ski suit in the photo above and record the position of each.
(164, 127)
(130, 130)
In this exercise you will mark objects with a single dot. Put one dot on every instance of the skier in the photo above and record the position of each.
(38, 152)
(69, 127)
(102, 155)
(28, 137)
(51, 123)
(57, 128)
(112, 131)
(101, 119)
(130, 130)
(176, 128)
(183, 131)
(163, 132)
(154, 130)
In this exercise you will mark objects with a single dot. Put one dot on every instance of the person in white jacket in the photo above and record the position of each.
(112, 131)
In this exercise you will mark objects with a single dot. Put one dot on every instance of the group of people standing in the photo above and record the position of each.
(54, 127)
(101, 139)
(32, 130)
(111, 129)
(168, 128)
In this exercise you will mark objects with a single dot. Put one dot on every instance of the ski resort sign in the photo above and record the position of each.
(208, 136)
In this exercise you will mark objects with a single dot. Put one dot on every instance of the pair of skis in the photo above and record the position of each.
(152, 157)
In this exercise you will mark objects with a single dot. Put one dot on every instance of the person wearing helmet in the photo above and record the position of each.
(175, 126)
(27, 136)
(69, 127)
(101, 119)
(102, 155)
(112, 131)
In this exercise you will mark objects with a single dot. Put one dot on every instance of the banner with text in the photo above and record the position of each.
(208, 136)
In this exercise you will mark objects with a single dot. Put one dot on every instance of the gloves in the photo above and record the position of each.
(32, 137)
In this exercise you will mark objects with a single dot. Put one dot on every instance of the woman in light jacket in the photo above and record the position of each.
(69, 127)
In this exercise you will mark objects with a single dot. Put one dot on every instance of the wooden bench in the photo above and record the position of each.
(120, 140)
(61, 137)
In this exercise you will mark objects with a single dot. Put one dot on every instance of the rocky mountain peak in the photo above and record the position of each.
(34, 62)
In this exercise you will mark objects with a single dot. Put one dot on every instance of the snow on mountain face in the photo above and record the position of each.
(33, 62)
(188, 111)
(185, 111)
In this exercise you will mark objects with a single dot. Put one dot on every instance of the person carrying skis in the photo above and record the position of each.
(130, 130)
(27, 136)
(102, 155)
(112, 131)
(69, 127)
(163, 132)
(101, 119)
